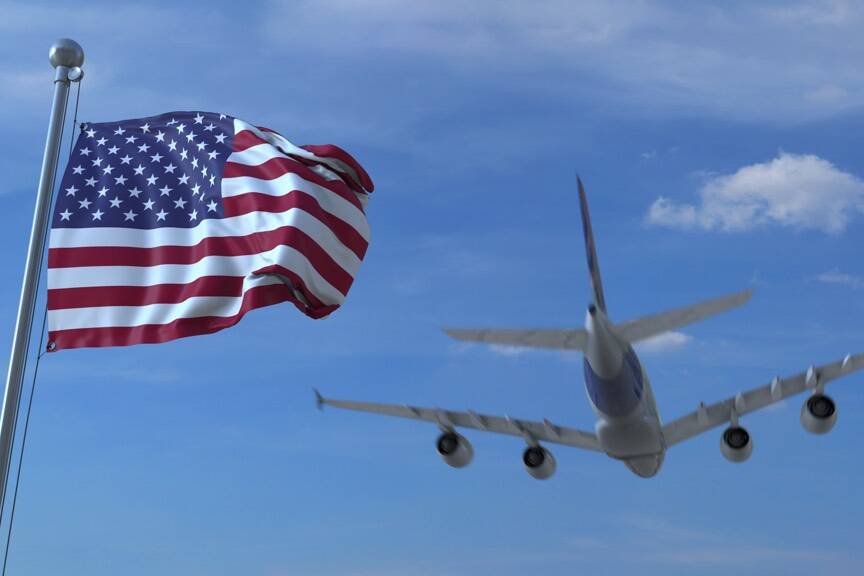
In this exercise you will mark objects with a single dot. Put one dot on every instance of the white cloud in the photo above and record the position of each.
(799, 191)
(666, 342)
(742, 61)
(837, 277)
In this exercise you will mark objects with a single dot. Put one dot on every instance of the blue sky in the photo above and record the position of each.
(721, 149)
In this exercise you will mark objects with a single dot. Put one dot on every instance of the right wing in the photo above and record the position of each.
(648, 326)
(707, 417)
(555, 339)
(447, 419)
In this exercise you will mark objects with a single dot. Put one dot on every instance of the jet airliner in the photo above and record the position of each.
(628, 426)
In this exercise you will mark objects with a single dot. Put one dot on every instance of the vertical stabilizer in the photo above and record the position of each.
(593, 266)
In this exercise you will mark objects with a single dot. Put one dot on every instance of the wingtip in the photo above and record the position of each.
(319, 399)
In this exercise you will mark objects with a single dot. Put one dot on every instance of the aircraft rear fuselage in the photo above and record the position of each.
(628, 424)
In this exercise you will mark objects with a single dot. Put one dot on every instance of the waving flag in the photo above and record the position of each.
(179, 224)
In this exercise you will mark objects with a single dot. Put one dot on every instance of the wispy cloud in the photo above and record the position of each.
(798, 191)
(837, 277)
(662, 343)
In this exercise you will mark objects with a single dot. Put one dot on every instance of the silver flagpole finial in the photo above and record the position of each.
(66, 52)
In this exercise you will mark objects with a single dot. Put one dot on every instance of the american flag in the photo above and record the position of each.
(179, 224)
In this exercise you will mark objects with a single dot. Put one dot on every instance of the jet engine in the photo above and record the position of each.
(539, 462)
(819, 414)
(455, 449)
(735, 444)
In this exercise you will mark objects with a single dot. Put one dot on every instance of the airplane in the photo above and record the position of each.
(628, 426)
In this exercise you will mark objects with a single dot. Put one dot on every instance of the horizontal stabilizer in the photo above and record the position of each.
(665, 321)
(552, 339)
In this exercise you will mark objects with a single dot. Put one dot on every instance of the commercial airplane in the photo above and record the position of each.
(628, 424)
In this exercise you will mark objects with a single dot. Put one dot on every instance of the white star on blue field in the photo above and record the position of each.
(720, 146)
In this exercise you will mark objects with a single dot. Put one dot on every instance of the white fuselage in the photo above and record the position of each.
(618, 388)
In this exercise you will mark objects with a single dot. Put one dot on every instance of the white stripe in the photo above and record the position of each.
(237, 266)
(215, 228)
(124, 316)
(329, 200)
(289, 148)
(260, 153)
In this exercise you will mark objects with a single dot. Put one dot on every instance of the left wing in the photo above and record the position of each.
(448, 419)
(707, 417)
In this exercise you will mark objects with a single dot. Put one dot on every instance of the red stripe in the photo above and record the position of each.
(246, 139)
(257, 202)
(213, 246)
(333, 151)
(91, 296)
(155, 333)
(279, 166)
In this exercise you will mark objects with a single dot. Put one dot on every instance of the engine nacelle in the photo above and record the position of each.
(455, 449)
(819, 414)
(736, 444)
(539, 462)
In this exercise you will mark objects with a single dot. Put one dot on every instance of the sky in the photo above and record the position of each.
(720, 146)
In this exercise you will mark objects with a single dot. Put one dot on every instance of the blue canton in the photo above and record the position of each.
(146, 173)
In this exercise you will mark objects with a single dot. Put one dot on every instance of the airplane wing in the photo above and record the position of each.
(707, 417)
(554, 339)
(648, 326)
(447, 419)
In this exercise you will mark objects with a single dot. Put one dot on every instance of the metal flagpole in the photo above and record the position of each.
(66, 56)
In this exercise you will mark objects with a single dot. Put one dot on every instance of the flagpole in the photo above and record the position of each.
(66, 56)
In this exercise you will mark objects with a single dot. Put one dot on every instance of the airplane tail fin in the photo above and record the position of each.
(648, 326)
(591, 252)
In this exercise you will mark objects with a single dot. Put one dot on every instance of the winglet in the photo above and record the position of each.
(319, 400)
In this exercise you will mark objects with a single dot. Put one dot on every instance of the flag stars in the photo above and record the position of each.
(190, 136)
(131, 139)
(125, 159)
(156, 157)
(184, 179)
(120, 180)
(148, 205)
(196, 189)
(130, 215)
(97, 162)
(102, 192)
(145, 128)
(193, 215)
(108, 169)
(195, 162)
(85, 152)
(199, 118)
(212, 154)
(161, 215)
(211, 207)
(65, 215)
(143, 148)
(85, 204)
(78, 169)
(184, 154)
(180, 203)
(204, 171)
(222, 116)
(98, 215)
(169, 169)
(151, 180)
(115, 203)
(160, 136)
(101, 141)
(119, 131)
(201, 145)
(90, 133)
(172, 122)
(139, 170)
(165, 190)
(134, 192)
(210, 127)
(220, 138)
(90, 182)
(212, 180)
(113, 150)
(71, 191)
(172, 146)
(180, 128)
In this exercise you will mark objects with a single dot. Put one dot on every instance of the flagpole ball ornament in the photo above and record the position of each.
(66, 52)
